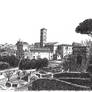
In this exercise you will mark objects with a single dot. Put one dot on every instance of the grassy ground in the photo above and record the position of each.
(82, 79)
(53, 84)
(82, 82)
(72, 75)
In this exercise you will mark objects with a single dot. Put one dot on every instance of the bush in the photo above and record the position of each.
(12, 60)
(33, 64)
(28, 64)
(70, 64)
(24, 64)
(4, 65)
(45, 62)
(40, 63)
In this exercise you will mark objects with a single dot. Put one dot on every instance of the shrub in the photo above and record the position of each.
(4, 65)
(33, 64)
(40, 63)
(12, 60)
(45, 62)
(24, 64)
(27, 64)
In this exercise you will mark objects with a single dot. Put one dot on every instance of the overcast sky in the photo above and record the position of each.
(23, 19)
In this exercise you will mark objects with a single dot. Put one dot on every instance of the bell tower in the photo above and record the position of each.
(43, 37)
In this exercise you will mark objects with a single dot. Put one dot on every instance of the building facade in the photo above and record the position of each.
(64, 50)
(41, 53)
(80, 58)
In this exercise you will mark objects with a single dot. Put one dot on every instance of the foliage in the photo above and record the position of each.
(85, 27)
(68, 63)
(33, 64)
(40, 63)
(24, 64)
(45, 62)
(88, 44)
(4, 65)
(71, 64)
(12, 60)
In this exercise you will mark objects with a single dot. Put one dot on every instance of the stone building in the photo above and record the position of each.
(64, 50)
(80, 58)
(40, 53)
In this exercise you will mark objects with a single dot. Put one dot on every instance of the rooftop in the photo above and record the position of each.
(40, 49)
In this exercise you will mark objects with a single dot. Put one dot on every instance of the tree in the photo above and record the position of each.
(85, 27)
(33, 64)
(40, 63)
(4, 65)
(45, 62)
(88, 43)
(12, 60)
(67, 63)
(24, 64)
(27, 64)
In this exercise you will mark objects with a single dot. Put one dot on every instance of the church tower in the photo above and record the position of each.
(43, 37)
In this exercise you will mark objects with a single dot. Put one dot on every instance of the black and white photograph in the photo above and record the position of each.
(45, 45)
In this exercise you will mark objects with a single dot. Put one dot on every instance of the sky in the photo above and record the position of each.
(23, 19)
